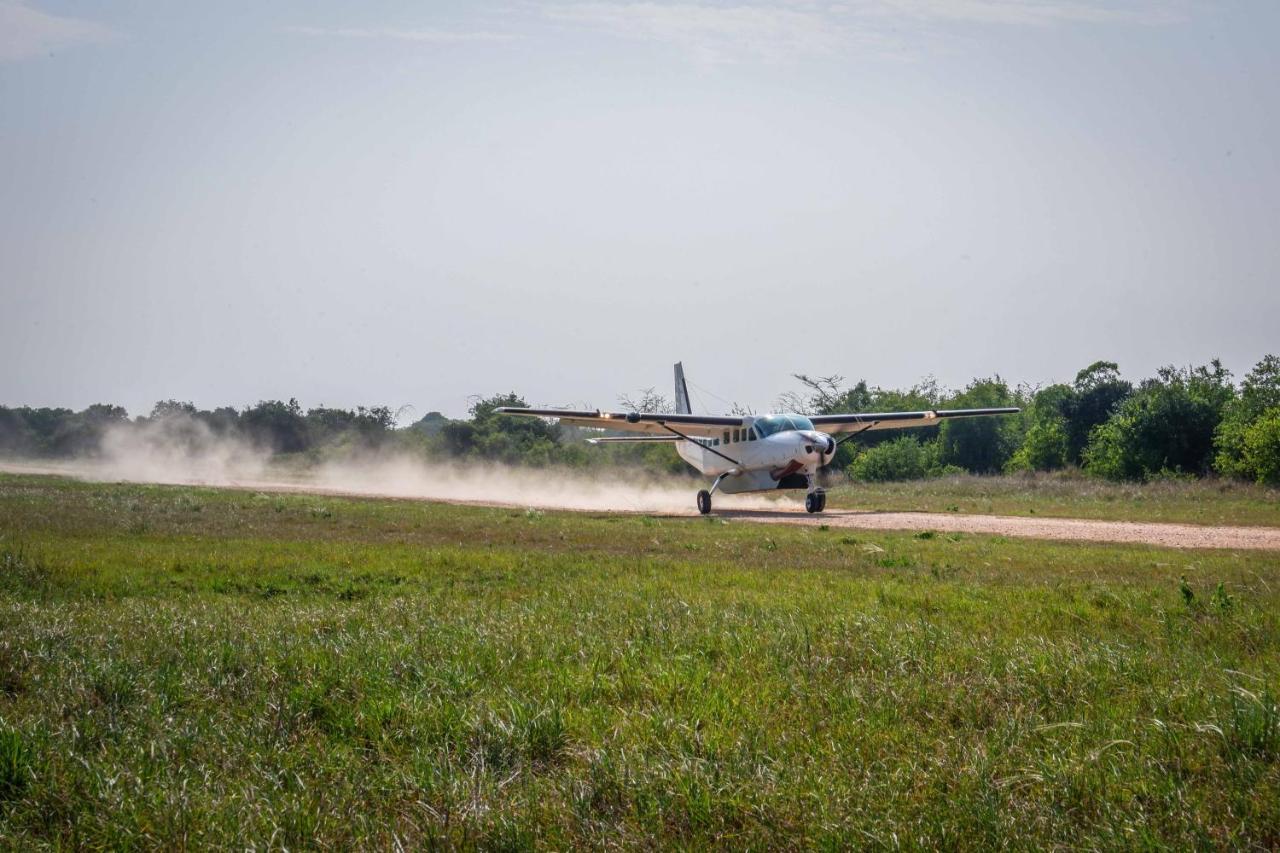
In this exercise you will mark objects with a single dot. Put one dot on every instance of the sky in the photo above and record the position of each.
(413, 203)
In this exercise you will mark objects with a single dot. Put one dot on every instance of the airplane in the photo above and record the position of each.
(751, 453)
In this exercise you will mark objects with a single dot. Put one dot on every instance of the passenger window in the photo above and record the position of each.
(726, 436)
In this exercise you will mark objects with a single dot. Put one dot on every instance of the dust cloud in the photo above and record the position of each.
(183, 451)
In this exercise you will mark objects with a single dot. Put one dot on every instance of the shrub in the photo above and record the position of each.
(901, 459)
(1259, 395)
(1262, 448)
(1045, 448)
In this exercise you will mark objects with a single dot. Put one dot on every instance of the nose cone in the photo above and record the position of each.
(819, 446)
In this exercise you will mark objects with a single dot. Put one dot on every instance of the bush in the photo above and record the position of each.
(1262, 448)
(1259, 395)
(900, 459)
(1045, 448)
(1110, 453)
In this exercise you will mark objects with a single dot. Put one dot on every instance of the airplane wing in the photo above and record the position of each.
(697, 426)
(869, 421)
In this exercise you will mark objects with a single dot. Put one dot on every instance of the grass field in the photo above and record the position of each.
(189, 667)
(1068, 495)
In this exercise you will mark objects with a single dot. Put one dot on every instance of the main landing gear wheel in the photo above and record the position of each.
(815, 501)
(704, 502)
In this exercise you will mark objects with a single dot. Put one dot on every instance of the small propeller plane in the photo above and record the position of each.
(752, 453)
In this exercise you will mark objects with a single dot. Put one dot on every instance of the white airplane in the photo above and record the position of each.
(753, 453)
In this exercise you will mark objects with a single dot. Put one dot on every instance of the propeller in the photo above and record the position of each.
(835, 443)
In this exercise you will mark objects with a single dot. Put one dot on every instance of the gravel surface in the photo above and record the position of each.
(591, 497)
(1150, 533)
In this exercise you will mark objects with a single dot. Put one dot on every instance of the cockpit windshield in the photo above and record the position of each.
(781, 423)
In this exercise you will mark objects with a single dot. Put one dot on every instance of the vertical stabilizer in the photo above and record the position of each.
(682, 392)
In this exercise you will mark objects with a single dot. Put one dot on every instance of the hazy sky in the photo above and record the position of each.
(410, 203)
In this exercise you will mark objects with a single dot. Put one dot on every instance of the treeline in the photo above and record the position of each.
(1182, 422)
(273, 426)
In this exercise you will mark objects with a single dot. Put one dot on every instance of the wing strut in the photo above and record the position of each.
(856, 434)
(686, 438)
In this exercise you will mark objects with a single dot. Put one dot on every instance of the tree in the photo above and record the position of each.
(80, 434)
(171, 408)
(507, 439)
(980, 445)
(1262, 448)
(1045, 445)
(1259, 393)
(105, 413)
(17, 438)
(222, 421)
(459, 437)
(1061, 417)
(1098, 390)
(648, 401)
(375, 420)
(1167, 425)
(430, 424)
(825, 395)
(277, 425)
(326, 423)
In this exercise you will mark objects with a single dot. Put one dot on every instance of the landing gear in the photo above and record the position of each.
(704, 497)
(815, 501)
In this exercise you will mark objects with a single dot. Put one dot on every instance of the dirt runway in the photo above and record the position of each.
(506, 488)
(1126, 532)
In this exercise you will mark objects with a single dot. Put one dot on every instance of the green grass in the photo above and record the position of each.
(1072, 495)
(194, 667)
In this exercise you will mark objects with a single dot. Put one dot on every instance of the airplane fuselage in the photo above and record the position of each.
(768, 452)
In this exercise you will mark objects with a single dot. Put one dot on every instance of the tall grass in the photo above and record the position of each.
(396, 673)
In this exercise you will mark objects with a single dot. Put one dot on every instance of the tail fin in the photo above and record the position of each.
(682, 392)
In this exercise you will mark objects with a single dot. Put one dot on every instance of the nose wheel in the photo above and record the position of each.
(704, 502)
(815, 501)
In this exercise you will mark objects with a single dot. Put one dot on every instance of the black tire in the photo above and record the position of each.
(704, 502)
(811, 502)
(822, 501)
